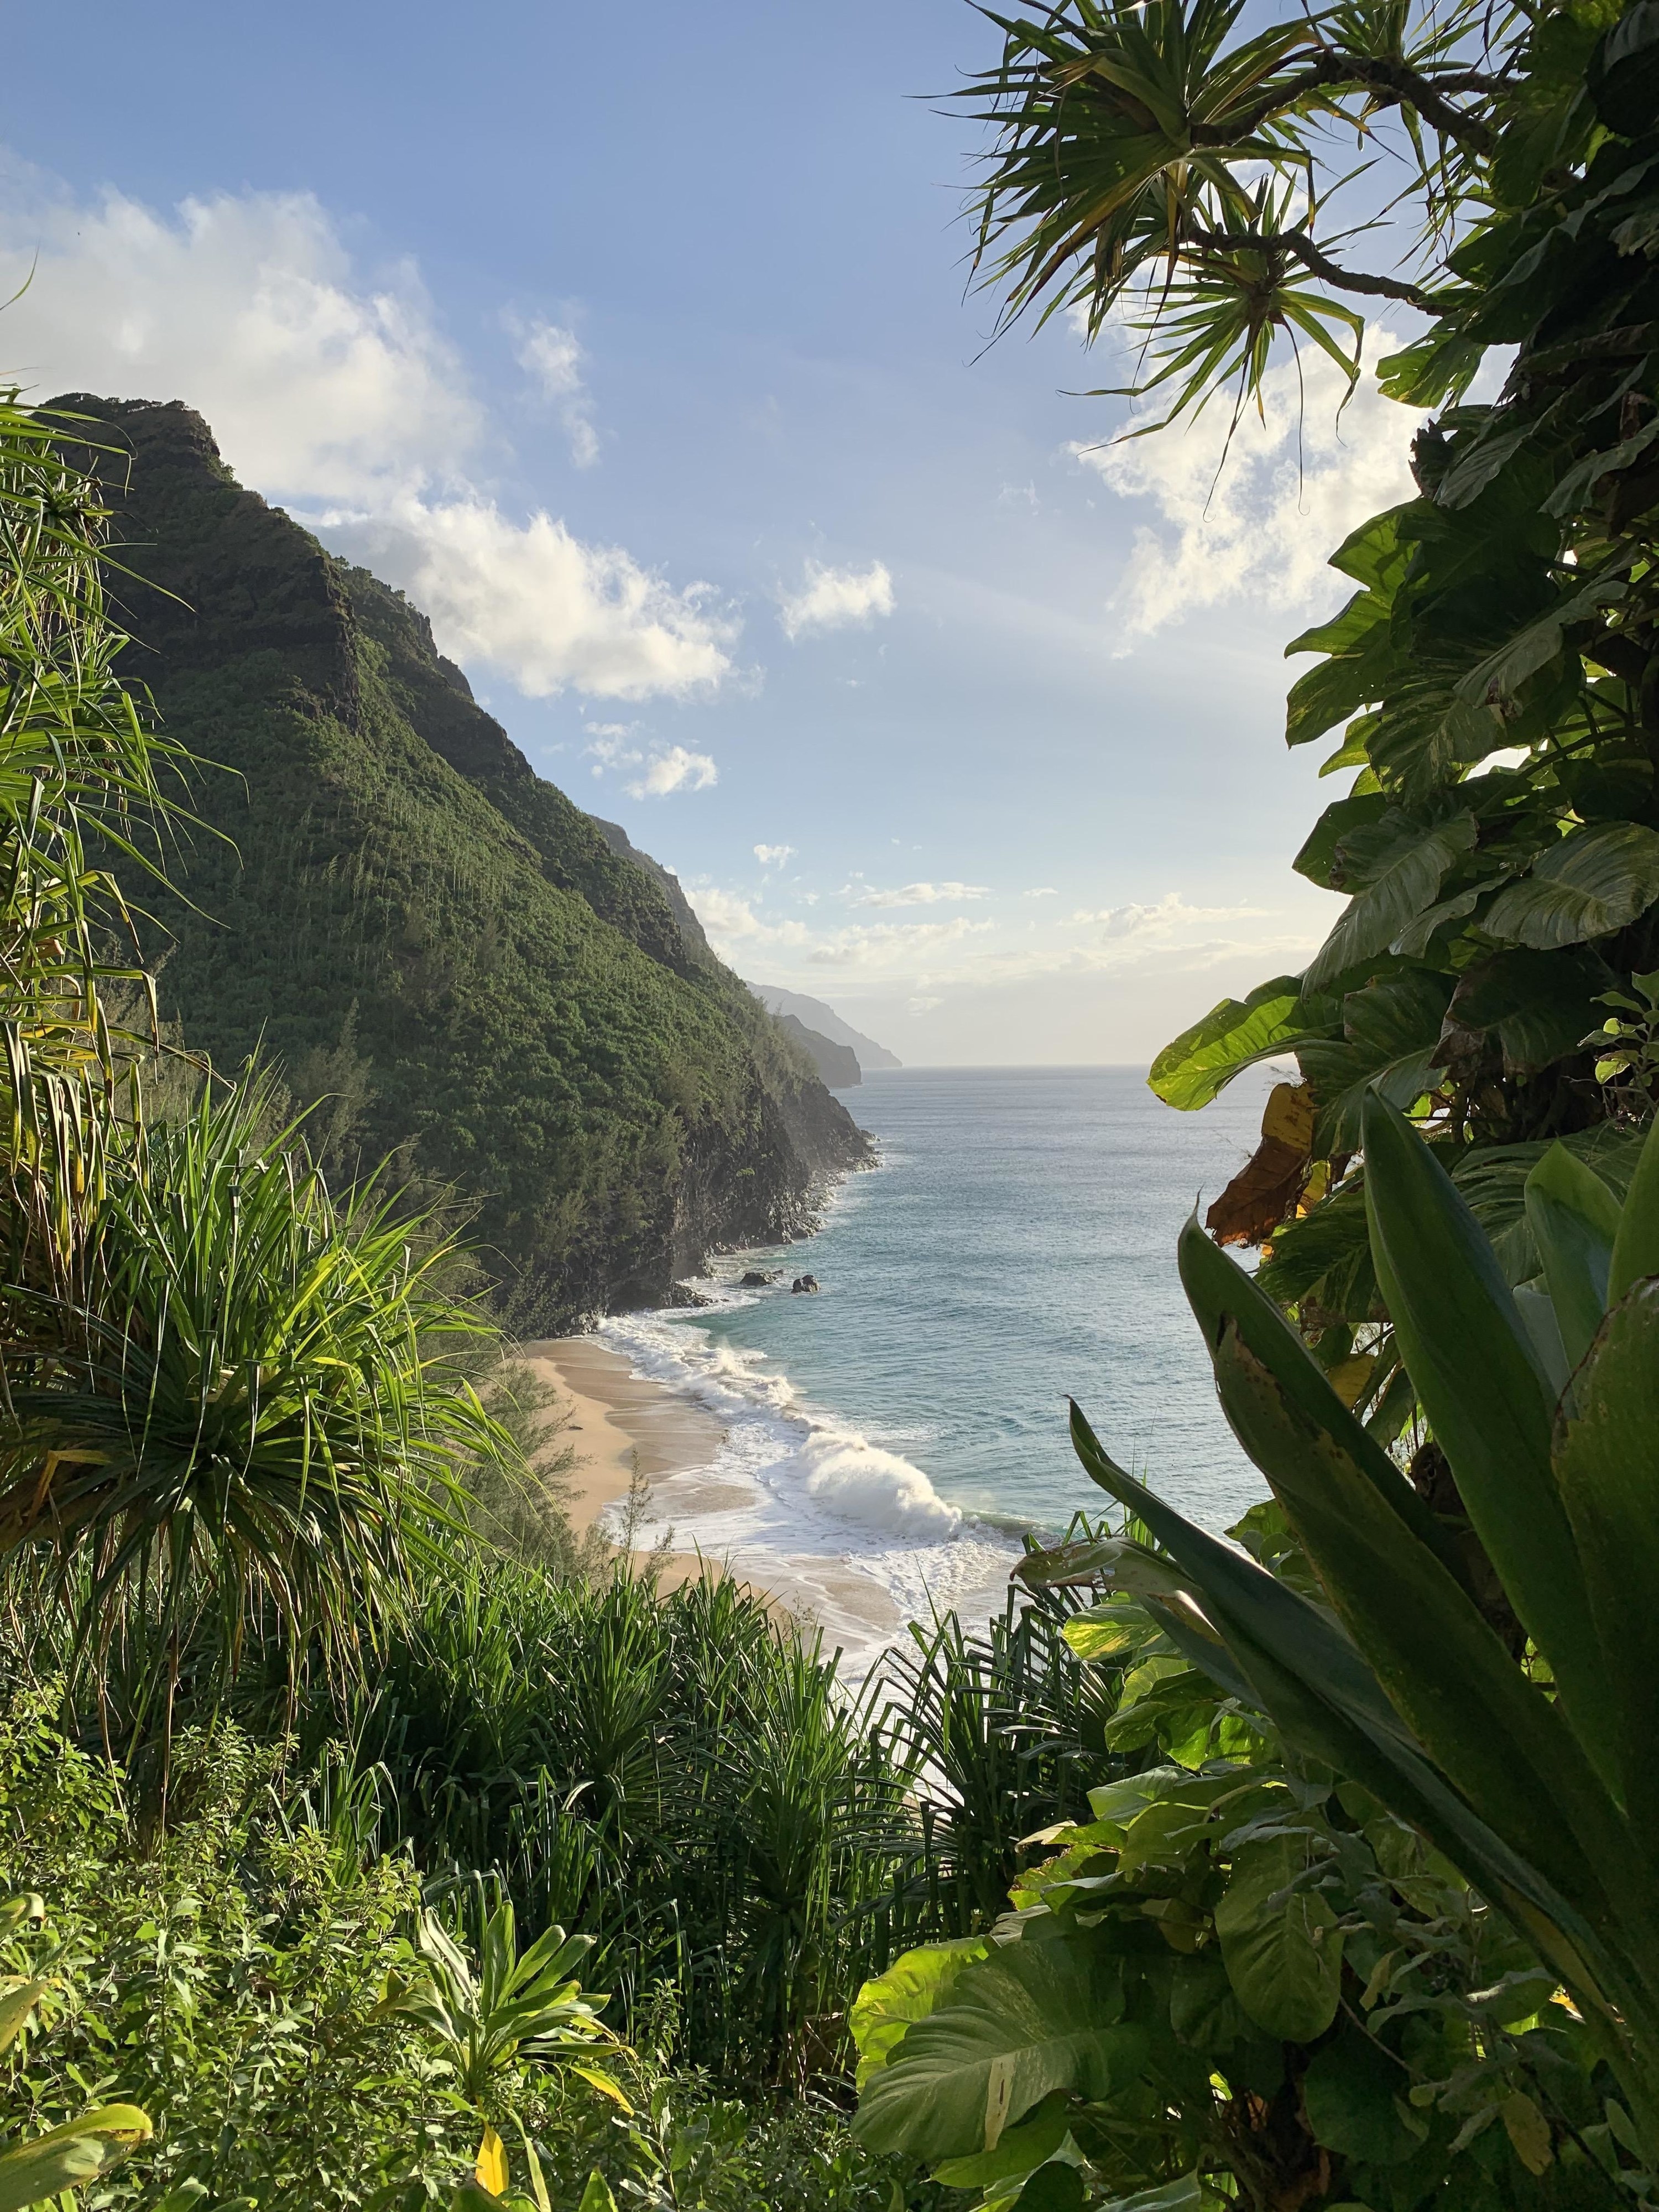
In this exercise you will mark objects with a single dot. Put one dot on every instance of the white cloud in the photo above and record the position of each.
(552, 356)
(336, 392)
(891, 943)
(1291, 490)
(663, 767)
(923, 893)
(833, 598)
(1043, 891)
(676, 769)
(774, 856)
(538, 605)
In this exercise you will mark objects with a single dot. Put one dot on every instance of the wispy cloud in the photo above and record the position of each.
(552, 356)
(923, 895)
(661, 768)
(837, 599)
(774, 856)
(335, 390)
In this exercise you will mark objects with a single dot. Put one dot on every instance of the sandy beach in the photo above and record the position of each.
(621, 1416)
(620, 1421)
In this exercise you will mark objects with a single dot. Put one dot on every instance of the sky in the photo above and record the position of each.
(637, 346)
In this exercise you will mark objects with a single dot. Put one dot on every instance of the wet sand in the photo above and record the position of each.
(620, 1420)
(619, 1415)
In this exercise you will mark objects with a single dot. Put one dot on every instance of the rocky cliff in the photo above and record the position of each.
(386, 899)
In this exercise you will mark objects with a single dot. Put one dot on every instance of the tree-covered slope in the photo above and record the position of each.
(396, 906)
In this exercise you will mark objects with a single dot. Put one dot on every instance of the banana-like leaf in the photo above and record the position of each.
(1468, 1353)
(1574, 1220)
(1607, 1462)
(1308, 1676)
(1218, 1290)
(1502, 1743)
(1030, 2019)
(597, 2196)
(1636, 1247)
(69, 2156)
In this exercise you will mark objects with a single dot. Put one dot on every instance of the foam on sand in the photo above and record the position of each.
(840, 1527)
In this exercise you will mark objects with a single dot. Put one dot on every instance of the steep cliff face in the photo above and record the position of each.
(386, 899)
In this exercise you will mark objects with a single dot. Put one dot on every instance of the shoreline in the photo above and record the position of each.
(622, 1421)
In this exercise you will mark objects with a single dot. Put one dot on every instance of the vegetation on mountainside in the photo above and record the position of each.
(402, 915)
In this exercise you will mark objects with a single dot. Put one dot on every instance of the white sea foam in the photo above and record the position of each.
(801, 1503)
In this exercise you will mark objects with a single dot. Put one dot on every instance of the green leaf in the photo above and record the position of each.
(1606, 1463)
(1348, 2093)
(1318, 859)
(69, 2156)
(1030, 2019)
(1181, 2194)
(597, 2196)
(1056, 2187)
(1390, 1030)
(1636, 1247)
(1594, 881)
(1501, 674)
(1467, 1351)
(1502, 1742)
(1574, 1220)
(913, 1986)
(16, 2006)
(1283, 1956)
(1020, 2148)
(1303, 1671)
(1202, 1060)
(1402, 878)
(1220, 1294)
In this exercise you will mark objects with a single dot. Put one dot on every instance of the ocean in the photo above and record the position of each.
(887, 1439)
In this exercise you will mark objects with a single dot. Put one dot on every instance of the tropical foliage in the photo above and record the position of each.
(1492, 682)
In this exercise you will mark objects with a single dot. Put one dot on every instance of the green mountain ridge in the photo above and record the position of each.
(399, 910)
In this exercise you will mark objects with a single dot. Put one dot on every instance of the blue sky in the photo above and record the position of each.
(634, 345)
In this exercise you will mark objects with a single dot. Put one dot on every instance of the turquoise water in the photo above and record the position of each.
(1016, 1245)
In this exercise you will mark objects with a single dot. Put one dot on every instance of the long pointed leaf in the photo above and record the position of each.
(1574, 1220)
(1502, 1742)
(1607, 1461)
(1467, 1351)
(1218, 1290)
(1636, 1247)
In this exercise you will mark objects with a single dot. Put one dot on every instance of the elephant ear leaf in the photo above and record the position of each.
(1203, 1060)
(1283, 1953)
(69, 2156)
(1027, 2020)
(1574, 1220)
(915, 1984)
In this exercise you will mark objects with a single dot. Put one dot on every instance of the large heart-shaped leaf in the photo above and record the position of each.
(1203, 1060)
(1283, 1954)
(1404, 866)
(912, 1987)
(1595, 881)
(1031, 2018)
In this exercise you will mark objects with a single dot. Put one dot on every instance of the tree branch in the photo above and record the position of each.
(1402, 87)
(1301, 247)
